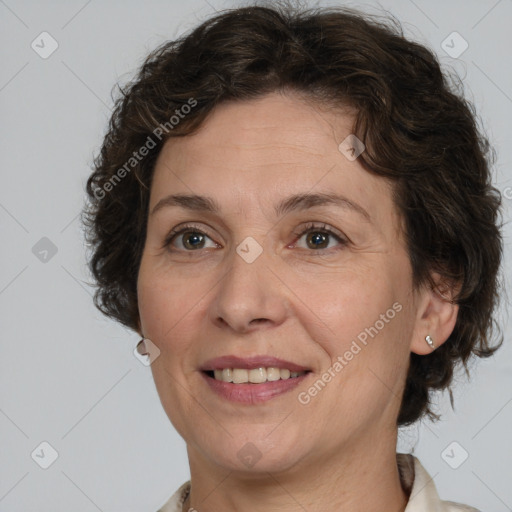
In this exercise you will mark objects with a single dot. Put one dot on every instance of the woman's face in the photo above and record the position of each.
(262, 277)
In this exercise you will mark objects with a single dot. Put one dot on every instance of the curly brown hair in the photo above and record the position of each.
(418, 131)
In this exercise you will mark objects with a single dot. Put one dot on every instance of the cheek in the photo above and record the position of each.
(361, 317)
(346, 303)
(164, 311)
(161, 304)
(172, 312)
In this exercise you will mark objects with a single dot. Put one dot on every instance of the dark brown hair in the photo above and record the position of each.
(418, 132)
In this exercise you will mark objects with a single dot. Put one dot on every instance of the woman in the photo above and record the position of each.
(296, 214)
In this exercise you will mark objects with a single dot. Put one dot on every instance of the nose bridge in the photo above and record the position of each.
(249, 291)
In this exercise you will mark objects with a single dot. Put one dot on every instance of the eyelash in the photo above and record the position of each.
(312, 226)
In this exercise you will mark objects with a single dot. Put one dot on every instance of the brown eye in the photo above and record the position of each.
(192, 240)
(319, 237)
(317, 240)
(188, 239)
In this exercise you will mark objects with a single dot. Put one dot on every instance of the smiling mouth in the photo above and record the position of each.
(253, 376)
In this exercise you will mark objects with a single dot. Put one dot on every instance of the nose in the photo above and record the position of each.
(250, 296)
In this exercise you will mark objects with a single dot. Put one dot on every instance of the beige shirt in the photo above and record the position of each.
(415, 480)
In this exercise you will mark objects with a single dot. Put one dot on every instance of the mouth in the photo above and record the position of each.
(254, 375)
(252, 380)
(254, 369)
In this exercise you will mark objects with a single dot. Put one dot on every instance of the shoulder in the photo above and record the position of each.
(423, 495)
(175, 502)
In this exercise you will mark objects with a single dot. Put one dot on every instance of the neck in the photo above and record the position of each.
(343, 481)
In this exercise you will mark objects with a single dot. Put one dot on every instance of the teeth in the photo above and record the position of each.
(240, 376)
(285, 374)
(255, 375)
(273, 374)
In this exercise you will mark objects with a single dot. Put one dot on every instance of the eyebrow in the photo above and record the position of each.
(297, 202)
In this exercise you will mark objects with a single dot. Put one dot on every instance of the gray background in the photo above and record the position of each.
(68, 376)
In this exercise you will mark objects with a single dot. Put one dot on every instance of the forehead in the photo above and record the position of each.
(253, 153)
(269, 127)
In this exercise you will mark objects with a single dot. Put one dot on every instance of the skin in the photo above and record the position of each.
(295, 302)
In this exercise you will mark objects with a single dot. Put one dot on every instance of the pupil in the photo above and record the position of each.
(195, 237)
(318, 239)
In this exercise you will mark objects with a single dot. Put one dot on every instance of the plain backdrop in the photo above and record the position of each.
(68, 376)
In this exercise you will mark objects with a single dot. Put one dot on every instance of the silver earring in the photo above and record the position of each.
(430, 341)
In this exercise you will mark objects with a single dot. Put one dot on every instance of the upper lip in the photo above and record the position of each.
(249, 363)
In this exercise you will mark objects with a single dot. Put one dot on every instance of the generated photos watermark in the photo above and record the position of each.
(305, 397)
(137, 156)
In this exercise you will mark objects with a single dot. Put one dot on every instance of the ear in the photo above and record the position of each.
(436, 315)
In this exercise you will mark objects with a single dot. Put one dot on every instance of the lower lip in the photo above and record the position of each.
(252, 393)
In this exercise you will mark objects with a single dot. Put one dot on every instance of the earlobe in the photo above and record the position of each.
(436, 318)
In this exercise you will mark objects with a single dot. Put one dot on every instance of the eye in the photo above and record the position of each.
(189, 238)
(319, 237)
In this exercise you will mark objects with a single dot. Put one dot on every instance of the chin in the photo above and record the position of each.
(255, 454)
